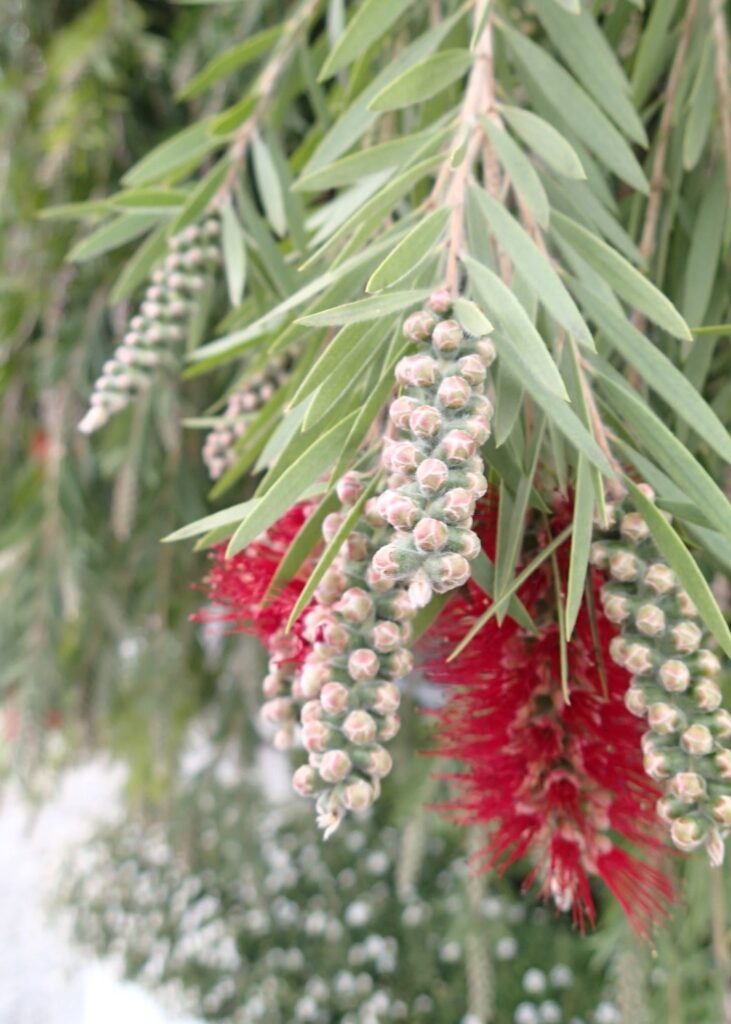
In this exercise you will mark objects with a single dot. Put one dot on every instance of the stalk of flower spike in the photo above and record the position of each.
(436, 474)
(240, 587)
(219, 450)
(673, 686)
(359, 631)
(560, 783)
(160, 324)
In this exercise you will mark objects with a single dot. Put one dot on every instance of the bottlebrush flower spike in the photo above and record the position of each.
(238, 586)
(160, 324)
(673, 683)
(558, 783)
(442, 417)
(219, 450)
(359, 631)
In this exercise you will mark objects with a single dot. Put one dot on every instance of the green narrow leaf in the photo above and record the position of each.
(412, 250)
(268, 185)
(482, 571)
(626, 280)
(234, 254)
(683, 564)
(533, 265)
(181, 149)
(308, 537)
(520, 170)
(229, 61)
(472, 317)
(354, 168)
(670, 454)
(514, 322)
(139, 266)
(225, 517)
(152, 200)
(364, 309)
(422, 81)
(199, 199)
(371, 20)
(580, 543)
(577, 108)
(545, 141)
(111, 235)
(310, 465)
(700, 109)
(354, 338)
(508, 403)
(660, 373)
(705, 248)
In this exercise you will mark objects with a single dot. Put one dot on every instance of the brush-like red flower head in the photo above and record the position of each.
(557, 781)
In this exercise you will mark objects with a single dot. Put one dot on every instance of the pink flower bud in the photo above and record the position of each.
(486, 351)
(403, 457)
(686, 605)
(669, 808)
(638, 659)
(707, 695)
(647, 491)
(656, 765)
(447, 336)
(335, 639)
(283, 738)
(399, 511)
(349, 488)
(688, 787)
(331, 524)
(635, 701)
(419, 326)
(312, 677)
(472, 369)
(372, 515)
(420, 590)
(312, 710)
(458, 504)
(335, 766)
(660, 578)
(598, 555)
(440, 301)
(618, 650)
(430, 535)
(616, 606)
(476, 484)
(454, 392)
(334, 698)
(650, 620)
(355, 548)
(468, 544)
(399, 663)
(419, 371)
(304, 780)
(387, 699)
(697, 740)
(399, 607)
(721, 809)
(401, 410)
(360, 727)
(633, 527)
(355, 605)
(722, 761)
(277, 710)
(432, 475)
(358, 796)
(458, 446)
(389, 728)
(385, 636)
(425, 421)
(385, 561)
(478, 428)
(708, 663)
(272, 685)
(686, 637)
(623, 566)
(379, 762)
(674, 676)
(315, 736)
(722, 723)
(448, 571)
(331, 586)
(663, 718)
(687, 834)
(363, 664)
(715, 848)
(377, 582)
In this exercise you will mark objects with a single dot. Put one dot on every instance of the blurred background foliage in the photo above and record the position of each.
(98, 655)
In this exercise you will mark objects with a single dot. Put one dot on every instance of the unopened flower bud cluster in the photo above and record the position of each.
(674, 683)
(220, 448)
(160, 324)
(359, 630)
(436, 475)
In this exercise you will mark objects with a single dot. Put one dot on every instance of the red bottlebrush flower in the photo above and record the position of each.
(559, 783)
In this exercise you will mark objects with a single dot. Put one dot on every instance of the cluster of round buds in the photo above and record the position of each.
(674, 682)
(280, 710)
(436, 475)
(219, 450)
(359, 630)
(160, 324)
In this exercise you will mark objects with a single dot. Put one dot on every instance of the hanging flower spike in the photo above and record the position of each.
(662, 645)
(239, 585)
(160, 324)
(436, 473)
(359, 630)
(557, 783)
(220, 448)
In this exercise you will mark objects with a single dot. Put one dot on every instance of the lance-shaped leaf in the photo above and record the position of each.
(520, 170)
(181, 150)
(423, 80)
(112, 235)
(372, 18)
(412, 250)
(231, 60)
(548, 143)
(364, 309)
(233, 246)
(627, 281)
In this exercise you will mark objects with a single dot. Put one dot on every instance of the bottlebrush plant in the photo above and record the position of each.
(405, 193)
